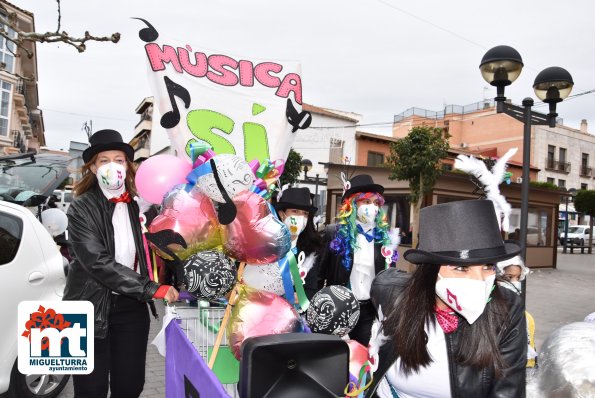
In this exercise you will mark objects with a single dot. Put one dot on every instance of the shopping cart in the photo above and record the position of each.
(201, 326)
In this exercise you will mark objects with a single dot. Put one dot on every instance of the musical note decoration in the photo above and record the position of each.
(227, 211)
(149, 33)
(298, 120)
(450, 295)
(163, 239)
(172, 118)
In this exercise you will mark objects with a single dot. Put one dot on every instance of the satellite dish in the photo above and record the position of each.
(55, 221)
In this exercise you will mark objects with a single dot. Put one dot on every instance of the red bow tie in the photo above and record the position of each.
(125, 197)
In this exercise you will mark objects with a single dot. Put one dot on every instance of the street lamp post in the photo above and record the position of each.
(572, 192)
(501, 66)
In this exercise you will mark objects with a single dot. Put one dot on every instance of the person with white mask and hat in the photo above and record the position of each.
(361, 247)
(449, 330)
(110, 268)
(296, 211)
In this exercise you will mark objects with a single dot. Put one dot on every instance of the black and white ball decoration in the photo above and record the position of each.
(333, 310)
(209, 275)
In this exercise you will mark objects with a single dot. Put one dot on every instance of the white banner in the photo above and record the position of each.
(238, 105)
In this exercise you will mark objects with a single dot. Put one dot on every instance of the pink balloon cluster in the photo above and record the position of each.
(255, 236)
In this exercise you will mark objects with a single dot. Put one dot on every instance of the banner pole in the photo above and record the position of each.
(232, 300)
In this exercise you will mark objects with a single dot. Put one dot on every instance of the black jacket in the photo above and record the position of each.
(464, 381)
(94, 272)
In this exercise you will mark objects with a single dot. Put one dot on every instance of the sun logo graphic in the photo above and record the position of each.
(55, 337)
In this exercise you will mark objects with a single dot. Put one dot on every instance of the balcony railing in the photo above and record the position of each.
(556, 165)
(586, 171)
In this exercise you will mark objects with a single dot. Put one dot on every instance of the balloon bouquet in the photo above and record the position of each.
(215, 213)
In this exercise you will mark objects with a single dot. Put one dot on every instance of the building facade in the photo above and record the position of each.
(562, 155)
(21, 121)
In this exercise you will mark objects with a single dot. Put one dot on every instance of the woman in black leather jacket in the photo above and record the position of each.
(449, 330)
(109, 268)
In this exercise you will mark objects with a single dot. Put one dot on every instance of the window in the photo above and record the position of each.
(551, 180)
(11, 231)
(561, 183)
(585, 169)
(5, 91)
(562, 157)
(551, 150)
(538, 226)
(336, 151)
(584, 187)
(7, 48)
(375, 159)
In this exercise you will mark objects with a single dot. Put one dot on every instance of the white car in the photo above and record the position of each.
(64, 197)
(31, 268)
(577, 235)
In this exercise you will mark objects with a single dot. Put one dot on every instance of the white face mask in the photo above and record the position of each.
(111, 177)
(468, 297)
(296, 225)
(367, 213)
(514, 286)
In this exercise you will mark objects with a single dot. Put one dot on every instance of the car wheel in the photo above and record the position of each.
(35, 386)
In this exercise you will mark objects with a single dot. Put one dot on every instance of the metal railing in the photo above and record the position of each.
(556, 165)
(448, 110)
(586, 171)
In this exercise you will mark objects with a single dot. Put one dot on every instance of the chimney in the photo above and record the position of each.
(584, 126)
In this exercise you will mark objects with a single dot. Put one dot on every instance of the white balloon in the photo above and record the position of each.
(264, 277)
(234, 173)
(55, 221)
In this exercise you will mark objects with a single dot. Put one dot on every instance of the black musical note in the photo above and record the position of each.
(227, 211)
(147, 34)
(172, 118)
(299, 120)
(164, 238)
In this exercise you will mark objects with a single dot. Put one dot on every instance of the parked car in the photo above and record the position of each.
(577, 235)
(63, 198)
(31, 266)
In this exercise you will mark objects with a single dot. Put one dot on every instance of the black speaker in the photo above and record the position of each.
(294, 365)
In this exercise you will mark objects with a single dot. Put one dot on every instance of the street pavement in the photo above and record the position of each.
(555, 297)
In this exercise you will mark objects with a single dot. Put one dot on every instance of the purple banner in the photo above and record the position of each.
(186, 373)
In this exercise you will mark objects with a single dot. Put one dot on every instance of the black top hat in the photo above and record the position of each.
(106, 140)
(362, 183)
(296, 198)
(464, 232)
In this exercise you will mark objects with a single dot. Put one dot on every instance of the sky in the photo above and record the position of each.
(376, 58)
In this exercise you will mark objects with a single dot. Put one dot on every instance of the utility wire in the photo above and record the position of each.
(86, 115)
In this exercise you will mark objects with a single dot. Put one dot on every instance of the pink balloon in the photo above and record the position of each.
(358, 355)
(157, 175)
(258, 313)
(193, 216)
(256, 236)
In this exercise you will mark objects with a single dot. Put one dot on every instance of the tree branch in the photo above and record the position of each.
(48, 37)
(59, 16)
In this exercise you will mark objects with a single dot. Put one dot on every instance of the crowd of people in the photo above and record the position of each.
(456, 326)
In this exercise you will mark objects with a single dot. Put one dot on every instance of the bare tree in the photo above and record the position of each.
(48, 37)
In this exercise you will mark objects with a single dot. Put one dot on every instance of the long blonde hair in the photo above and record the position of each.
(89, 180)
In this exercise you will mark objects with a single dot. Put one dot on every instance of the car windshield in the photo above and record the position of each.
(574, 230)
(25, 175)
